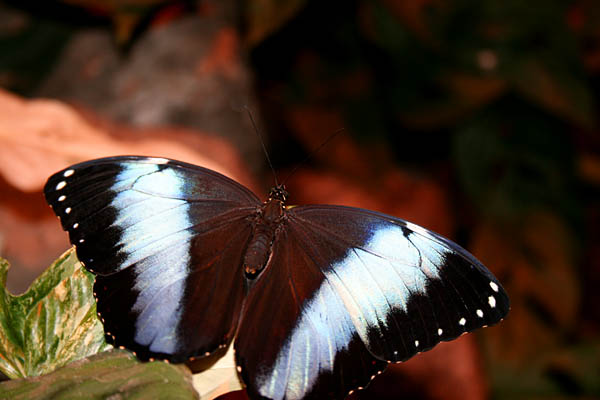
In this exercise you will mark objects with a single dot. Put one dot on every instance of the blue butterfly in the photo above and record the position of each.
(319, 298)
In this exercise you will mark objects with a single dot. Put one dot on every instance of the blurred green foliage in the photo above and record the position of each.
(512, 166)
(502, 84)
(28, 49)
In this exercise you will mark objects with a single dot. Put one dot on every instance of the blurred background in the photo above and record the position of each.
(475, 119)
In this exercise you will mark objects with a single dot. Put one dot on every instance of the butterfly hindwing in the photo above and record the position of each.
(164, 238)
(379, 286)
(296, 340)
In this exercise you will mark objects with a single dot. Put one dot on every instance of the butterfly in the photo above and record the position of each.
(319, 298)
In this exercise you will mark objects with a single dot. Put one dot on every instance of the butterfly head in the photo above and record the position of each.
(278, 193)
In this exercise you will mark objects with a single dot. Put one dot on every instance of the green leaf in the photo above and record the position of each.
(52, 324)
(114, 374)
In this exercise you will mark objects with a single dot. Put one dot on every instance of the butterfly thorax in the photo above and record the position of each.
(278, 192)
(264, 230)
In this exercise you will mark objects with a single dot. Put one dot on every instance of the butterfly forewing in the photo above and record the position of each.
(404, 280)
(120, 208)
(165, 238)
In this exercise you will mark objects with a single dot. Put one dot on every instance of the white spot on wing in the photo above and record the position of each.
(416, 343)
(462, 321)
(494, 286)
(479, 313)
(62, 198)
(61, 185)
(440, 331)
(68, 210)
(68, 173)
(492, 301)
(75, 225)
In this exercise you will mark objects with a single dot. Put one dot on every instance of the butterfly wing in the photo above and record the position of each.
(293, 341)
(349, 290)
(166, 240)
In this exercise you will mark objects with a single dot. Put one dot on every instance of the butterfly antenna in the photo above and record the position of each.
(312, 153)
(262, 143)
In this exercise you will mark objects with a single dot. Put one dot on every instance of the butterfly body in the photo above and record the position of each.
(266, 225)
(319, 298)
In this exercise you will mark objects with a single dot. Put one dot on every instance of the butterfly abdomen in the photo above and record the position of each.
(264, 230)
